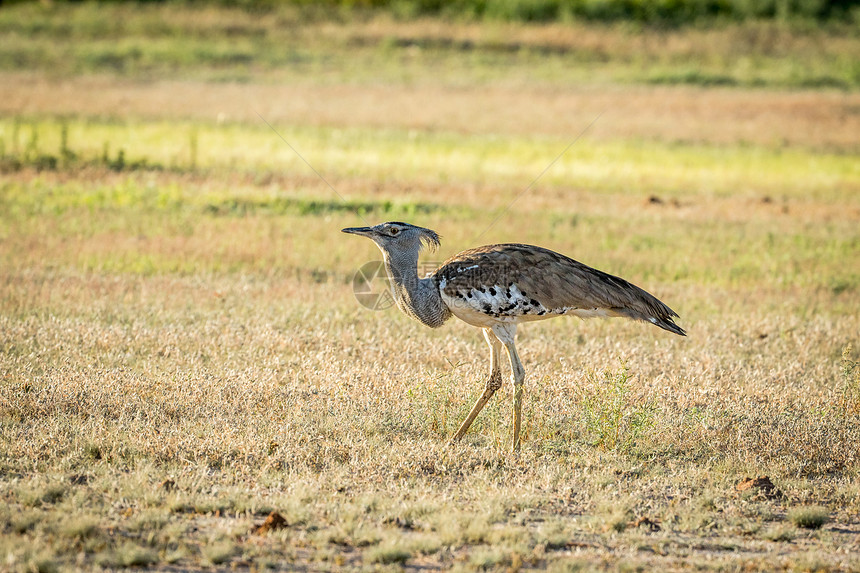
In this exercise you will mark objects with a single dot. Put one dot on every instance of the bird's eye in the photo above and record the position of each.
(394, 231)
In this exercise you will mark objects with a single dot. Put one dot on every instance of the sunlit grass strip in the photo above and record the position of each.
(510, 161)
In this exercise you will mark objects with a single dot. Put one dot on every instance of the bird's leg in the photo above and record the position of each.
(519, 376)
(506, 333)
(493, 384)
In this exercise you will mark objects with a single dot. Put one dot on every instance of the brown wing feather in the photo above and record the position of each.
(554, 280)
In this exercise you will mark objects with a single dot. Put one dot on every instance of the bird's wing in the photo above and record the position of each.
(555, 281)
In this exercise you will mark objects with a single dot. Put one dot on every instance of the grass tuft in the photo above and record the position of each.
(127, 555)
(81, 528)
(812, 517)
(44, 565)
(220, 552)
(387, 554)
(48, 494)
(779, 534)
(489, 558)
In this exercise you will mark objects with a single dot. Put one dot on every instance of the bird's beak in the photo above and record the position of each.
(364, 231)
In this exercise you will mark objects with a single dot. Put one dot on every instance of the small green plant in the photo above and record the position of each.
(812, 517)
(93, 452)
(31, 152)
(66, 154)
(612, 420)
(436, 397)
(119, 164)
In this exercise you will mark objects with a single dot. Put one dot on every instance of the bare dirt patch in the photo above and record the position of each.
(760, 486)
(274, 521)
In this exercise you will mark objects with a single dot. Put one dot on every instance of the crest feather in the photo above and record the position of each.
(429, 239)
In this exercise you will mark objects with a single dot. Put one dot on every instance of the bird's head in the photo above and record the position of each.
(398, 238)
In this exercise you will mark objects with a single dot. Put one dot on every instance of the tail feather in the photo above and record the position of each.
(663, 319)
(635, 302)
(668, 324)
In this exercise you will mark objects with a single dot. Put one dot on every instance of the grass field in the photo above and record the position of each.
(181, 352)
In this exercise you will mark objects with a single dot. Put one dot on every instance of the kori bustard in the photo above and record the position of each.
(496, 287)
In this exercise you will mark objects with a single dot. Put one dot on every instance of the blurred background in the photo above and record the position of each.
(408, 107)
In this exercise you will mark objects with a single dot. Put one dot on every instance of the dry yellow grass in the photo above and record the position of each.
(256, 383)
(254, 394)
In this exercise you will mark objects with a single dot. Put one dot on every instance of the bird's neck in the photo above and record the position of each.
(418, 298)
